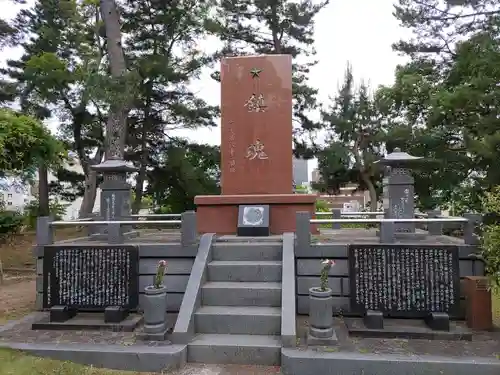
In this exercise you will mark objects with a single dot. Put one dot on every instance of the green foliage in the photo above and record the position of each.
(32, 211)
(322, 206)
(326, 265)
(165, 210)
(490, 247)
(160, 273)
(11, 222)
(24, 143)
(186, 170)
(444, 102)
(334, 166)
(356, 135)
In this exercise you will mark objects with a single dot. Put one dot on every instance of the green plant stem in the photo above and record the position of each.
(159, 276)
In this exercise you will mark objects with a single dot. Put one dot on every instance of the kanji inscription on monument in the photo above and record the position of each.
(255, 103)
(232, 144)
(256, 151)
(404, 280)
(91, 278)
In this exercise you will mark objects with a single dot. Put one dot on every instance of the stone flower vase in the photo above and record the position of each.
(320, 313)
(155, 310)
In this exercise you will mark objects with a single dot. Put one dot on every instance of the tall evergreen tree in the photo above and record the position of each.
(447, 90)
(356, 135)
(165, 47)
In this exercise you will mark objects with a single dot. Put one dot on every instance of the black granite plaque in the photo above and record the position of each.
(404, 280)
(91, 278)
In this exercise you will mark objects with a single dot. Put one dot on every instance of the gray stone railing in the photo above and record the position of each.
(337, 213)
(183, 331)
(387, 226)
(163, 216)
(288, 294)
(115, 229)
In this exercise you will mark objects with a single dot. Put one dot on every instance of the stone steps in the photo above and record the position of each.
(227, 293)
(246, 320)
(239, 320)
(247, 271)
(235, 349)
(244, 251)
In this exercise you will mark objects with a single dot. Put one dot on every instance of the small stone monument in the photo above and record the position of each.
(398, 189)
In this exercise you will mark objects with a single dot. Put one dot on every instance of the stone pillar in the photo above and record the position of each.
(400, 192)
(336, 214)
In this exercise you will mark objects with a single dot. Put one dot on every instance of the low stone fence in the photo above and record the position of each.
(179, 255)
(309, 254)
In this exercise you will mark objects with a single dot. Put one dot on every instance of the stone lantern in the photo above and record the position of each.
(115, 191)
(398, 188)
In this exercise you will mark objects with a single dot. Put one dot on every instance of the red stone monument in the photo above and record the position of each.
(256, 146)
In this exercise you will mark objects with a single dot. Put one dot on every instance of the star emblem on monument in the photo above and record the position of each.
(255, 72)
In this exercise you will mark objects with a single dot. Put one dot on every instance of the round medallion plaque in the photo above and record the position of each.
(253, 216)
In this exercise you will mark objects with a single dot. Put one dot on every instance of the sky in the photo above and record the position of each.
(356, 31)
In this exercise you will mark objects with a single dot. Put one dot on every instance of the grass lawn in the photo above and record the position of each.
(17, 252)
(17, 363)
(496, 309)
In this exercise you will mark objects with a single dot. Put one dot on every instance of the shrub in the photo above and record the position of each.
(11, 222)
(322, 206)
(32, 211)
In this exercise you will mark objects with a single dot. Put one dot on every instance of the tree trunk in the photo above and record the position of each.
(371, 189)
(89, 195)
(139, 188)
(119, 109)
(43, 191)
(141, 176)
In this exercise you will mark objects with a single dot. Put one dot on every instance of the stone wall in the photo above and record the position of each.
(180, 261)
(308, 267)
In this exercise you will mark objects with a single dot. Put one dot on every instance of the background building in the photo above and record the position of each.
(16, 195)
(300, 171)
(315, 175)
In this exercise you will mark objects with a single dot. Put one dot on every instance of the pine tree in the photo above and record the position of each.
(60, 73)
(165, 48)
(355, 137)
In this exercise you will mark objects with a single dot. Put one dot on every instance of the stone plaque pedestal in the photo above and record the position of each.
(219, 213)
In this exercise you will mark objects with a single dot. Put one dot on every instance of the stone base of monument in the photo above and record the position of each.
(154, 336)
(86, 321)
(407, 329)
(128, 234)
(219, 213)
(418, 235)
(321, 337)
(59, 314)
(438, 321)
(115, 314)
(374, 319)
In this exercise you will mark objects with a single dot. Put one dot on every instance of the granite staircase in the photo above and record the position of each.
(239, 320)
